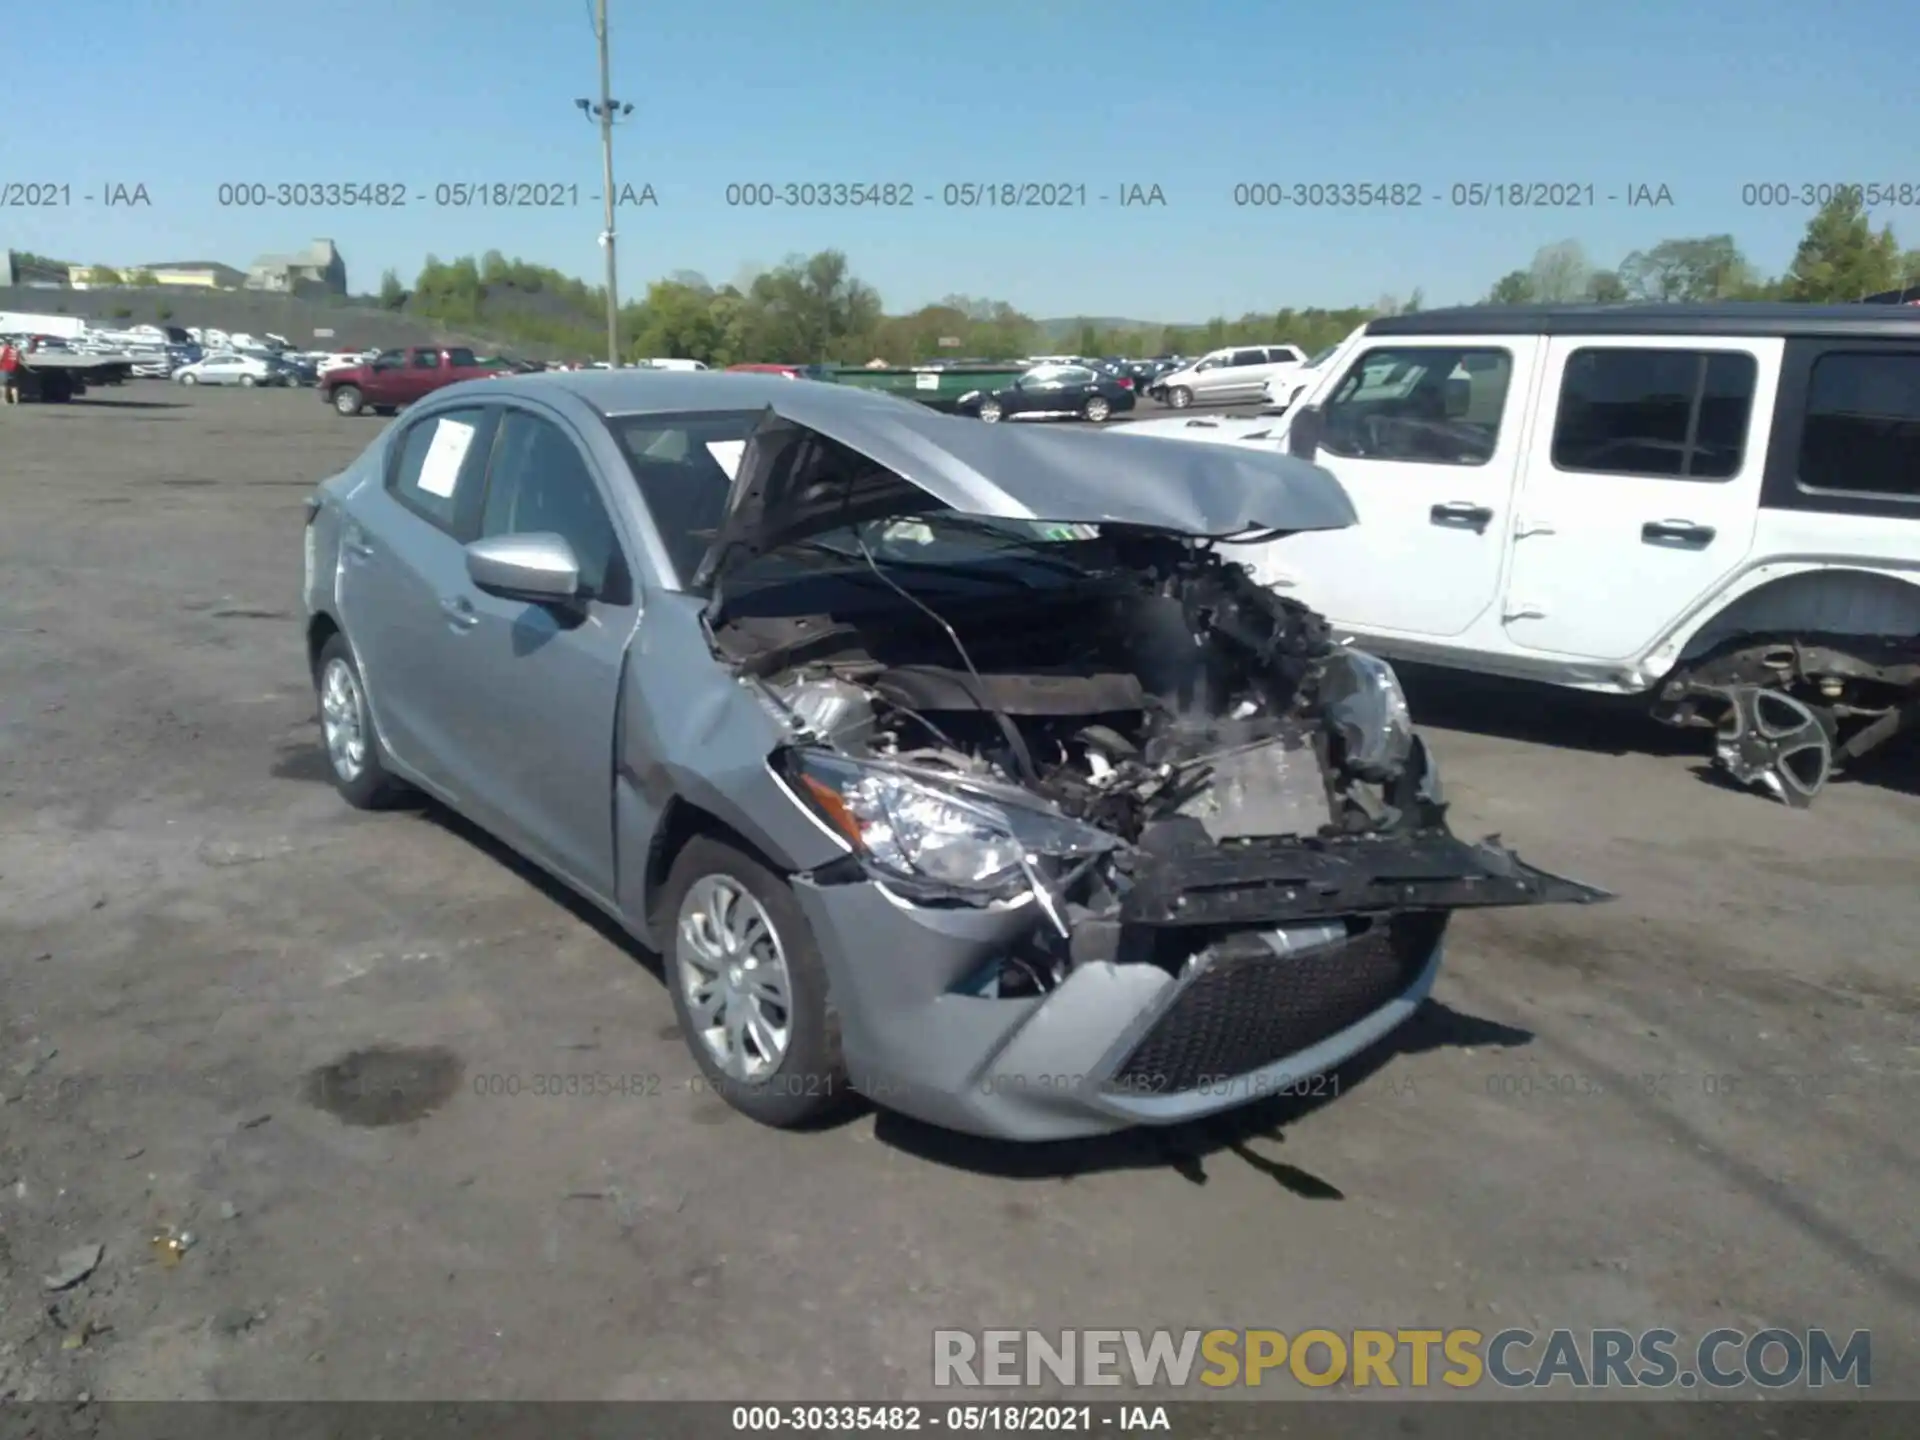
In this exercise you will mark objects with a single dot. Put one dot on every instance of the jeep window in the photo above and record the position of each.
(1428, 406)
(1863, 425)
(426, 359)
(459, 356)
(1671, 414)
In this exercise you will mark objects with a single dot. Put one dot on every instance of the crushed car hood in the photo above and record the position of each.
(790, 485)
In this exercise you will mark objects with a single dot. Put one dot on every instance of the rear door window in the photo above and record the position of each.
(438, 468)
(1671, 414)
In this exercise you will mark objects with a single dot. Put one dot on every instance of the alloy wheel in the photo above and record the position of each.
(343, 720)
(732, 971)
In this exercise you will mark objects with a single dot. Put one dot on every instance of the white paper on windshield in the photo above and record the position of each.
(440, 472)
(926, 381)
(726, 454)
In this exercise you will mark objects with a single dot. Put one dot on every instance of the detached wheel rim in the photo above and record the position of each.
(732, 972)
(342, 721)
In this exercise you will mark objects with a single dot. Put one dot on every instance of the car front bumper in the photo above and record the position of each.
(1116, 1044)
(1266, 964)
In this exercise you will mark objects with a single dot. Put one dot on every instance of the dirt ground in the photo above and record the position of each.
(1691, 1108)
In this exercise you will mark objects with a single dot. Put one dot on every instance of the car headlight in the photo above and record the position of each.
(908, 827)
(1366, 708)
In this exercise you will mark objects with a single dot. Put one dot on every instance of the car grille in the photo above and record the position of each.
(1250, 1008)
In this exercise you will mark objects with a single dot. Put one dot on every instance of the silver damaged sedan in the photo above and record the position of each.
(956, 765)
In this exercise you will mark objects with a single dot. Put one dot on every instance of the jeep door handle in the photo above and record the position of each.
(1678, 534)
(1461, 513)
(460, 612)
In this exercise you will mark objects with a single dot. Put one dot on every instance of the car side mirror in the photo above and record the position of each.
(539, 568)
(1303, 436)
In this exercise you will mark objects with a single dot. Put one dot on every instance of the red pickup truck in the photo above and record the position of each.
(399, 377)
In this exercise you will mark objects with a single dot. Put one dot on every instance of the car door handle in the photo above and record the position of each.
(1680, 534)
(1462, 513)
(356, 544)
(460, 612)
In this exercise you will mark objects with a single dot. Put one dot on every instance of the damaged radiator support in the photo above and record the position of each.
(1269, 881)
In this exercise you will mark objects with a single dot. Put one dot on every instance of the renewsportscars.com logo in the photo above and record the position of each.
(1459, 1359)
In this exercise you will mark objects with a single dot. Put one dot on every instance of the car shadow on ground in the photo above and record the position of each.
(1608, 725)
(93, 404)
(1187, 1148)
(1541, 714)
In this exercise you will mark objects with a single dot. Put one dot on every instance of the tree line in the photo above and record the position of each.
(815, 309)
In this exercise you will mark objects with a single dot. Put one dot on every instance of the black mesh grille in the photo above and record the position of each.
(1251, 1008)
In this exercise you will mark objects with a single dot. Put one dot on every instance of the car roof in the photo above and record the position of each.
(639, 391)
(1730, 317)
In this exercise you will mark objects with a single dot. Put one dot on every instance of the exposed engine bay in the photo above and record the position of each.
(1143, 739)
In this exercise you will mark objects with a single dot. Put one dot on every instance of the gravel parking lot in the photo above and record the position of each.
(1689, 1108)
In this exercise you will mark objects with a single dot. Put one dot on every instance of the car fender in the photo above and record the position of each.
(1785, 595)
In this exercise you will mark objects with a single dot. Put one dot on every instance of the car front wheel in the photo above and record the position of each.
(991, 412)
(749, 987)
(1098, 409)
(1180, 397)
(347, 400)
(354, 756)
(189, 379)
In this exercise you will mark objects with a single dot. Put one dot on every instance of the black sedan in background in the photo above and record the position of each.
(1051, 391)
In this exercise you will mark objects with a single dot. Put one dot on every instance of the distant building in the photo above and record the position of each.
(317, 268)
(196, 274)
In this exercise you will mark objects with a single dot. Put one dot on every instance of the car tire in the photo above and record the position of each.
(991, 412)
(189, 379)
(361, 775)
(347, 400)
(1180, 397)
(808, 1081)
(1098, 409)
(247, 382)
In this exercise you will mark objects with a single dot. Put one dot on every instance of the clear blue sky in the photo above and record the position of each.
(1701, 96)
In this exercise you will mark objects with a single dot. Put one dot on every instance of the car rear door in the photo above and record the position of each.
(1643, 491)
(1426, 438)
(402, 561)
(530, 692)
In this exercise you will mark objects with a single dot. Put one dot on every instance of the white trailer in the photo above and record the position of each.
(60, 327)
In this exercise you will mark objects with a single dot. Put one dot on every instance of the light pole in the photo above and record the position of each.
(605, 113)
